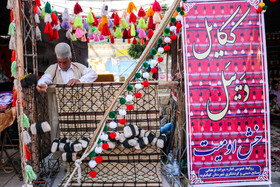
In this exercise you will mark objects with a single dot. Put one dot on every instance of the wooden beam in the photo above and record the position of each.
(168, 85)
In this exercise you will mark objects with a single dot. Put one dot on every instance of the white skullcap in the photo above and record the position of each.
(63, 50)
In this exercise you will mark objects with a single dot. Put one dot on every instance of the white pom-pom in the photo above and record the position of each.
(173, 28)
(98, 150)
(36, 17)
(113, 125)
(146, 75)
(160, 50)
(48, 18)
(65, 15)
(179, 17)
(167, 40)
(92, 164)
(122, 112)
(129, 97)
(138, 86)
(154, 62)
(104, 137)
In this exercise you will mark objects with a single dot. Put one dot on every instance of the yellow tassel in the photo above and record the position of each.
(104, 20)
(175, 14)
(131, 7)
(150, 12)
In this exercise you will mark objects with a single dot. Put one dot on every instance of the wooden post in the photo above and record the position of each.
(19, 43)
(166, 71)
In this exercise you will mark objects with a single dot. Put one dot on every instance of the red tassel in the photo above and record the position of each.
(113, 135)
(55, 34)
(54, 19)
(134, 41)
(27, 152)
(132, 18)
(88, 40)
(147, 42)
(167, 48)
(128, 41)
(38, 3)
(77, 8)
(116, 19)
(13, 56)
(141, 12)
(48, 28)
(178, 26)
(95, 20)
(112, 40)
(50, 37)
(160, 59)
(113, 15)
(14, 98)
(129, 31)
(12, 16)
(125, 34)
(151, 24)
(105, 30)
(142, 41)
(150, 33)
(35, 9)
(156, 6)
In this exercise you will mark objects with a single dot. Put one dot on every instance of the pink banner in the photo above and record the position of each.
(226, 93)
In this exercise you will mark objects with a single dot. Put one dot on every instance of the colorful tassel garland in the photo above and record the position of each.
(14, 69)
(131, 7)
(77, 9)
(141, 13)
(30, 175)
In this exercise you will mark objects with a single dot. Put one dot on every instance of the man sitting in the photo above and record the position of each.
(65, 71)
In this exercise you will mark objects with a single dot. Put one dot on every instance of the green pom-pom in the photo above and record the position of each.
(182, 13)
(93, 28)
(137, 75)
(178, 9)
(105, 128)
(132, 30)
(12, 29)
(74, 38)
(145, 65)
(43, 13)
(160, 41)
(99, 141)
(118, 33)
(14, 69)
(129, 87)
(264, 7)
(78, 22)
(184, 0)
(112, 114)
(153, 52)
(141, 23)
(48, 8)
(124, 24)
(173, 20)
(92, 154)
(122, 101)
(166, 30)
(25, 121)
(90, 19)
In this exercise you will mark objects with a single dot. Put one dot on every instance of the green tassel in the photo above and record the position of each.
(141, 23)
(14, 69)
(78, 22)
(30, 174)
(93, 28)
(147, 22)
(25, 121)
(43, 13)
(90, 19)
(12, 29)
(74, 38)
(118, 33)
(99, 141)
(132, 30)
(48, 8)
(124, 24)
(56, 13)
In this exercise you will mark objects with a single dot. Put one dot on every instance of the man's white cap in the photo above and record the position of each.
(63, 50)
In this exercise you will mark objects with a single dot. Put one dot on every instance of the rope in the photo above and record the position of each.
(97, 133)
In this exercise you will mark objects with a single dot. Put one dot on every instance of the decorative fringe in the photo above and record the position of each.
(47, 18)
(156, 18)
(14, 69)
(25, 121)
(30, 175)
(12, 15)
(26, 138)
(65, 14)
(118, 32)
(77, 9)
(10, 4)
(156, 6)
(79, 33)
(116, 19)
(132, 18)
(131, 7)
(12, 43)
(27, 153)
(124, 24)
(141, 23)
(78, 22)
(141, 13)
(38, 3)
(12, 29)
(90, 19)
(37, 19)
(38, 34)
(150, 12)
(65, 25)
(132, 30)
(48, 8)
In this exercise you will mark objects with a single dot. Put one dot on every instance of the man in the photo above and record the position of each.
(65, 71)
(275, 90)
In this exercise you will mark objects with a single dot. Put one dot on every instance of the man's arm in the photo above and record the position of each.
(43, 83)
(88, 75)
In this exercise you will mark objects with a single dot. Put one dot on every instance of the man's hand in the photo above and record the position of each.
(72, 82)
(41, 88)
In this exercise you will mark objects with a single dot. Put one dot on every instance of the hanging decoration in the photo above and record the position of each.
(47, 19)
(157, 16)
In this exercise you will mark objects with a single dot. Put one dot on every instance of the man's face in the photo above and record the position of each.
(64, 64)
(276, 87)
